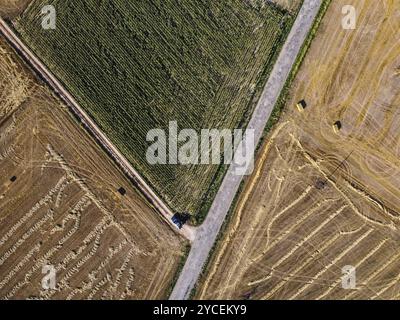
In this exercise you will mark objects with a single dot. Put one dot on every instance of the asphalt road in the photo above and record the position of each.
(207, 233)
(124, 164)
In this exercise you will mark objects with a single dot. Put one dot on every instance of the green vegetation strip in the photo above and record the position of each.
(136, 65)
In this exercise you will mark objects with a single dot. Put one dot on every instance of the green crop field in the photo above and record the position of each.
(136, 65)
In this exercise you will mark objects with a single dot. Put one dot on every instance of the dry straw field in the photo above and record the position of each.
(59, 206)
(320, 200)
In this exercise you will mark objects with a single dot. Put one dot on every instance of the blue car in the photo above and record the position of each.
(179, 219)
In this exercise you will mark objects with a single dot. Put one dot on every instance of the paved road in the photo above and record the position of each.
(42, 70)
(208, 231)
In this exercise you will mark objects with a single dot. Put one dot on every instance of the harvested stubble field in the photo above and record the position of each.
(320, 200)
(64, 210)
(135, 66)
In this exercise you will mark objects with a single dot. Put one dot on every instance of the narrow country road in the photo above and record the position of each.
(187, 231)
(207, 233)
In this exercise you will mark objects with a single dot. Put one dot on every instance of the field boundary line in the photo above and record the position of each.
(91, 126)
